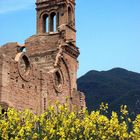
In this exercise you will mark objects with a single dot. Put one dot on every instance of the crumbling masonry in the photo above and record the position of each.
(43, 70)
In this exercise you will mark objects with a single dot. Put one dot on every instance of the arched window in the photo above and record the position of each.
(45, 23)
(69, 16)
(53, 22)
(58, 79)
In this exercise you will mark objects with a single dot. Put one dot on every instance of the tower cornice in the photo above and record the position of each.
(55, 1)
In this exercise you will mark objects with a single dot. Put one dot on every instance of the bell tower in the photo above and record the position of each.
(53, 49)
(53, 13)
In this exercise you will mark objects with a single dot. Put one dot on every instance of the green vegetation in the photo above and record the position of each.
(116, 87)
(58, 123)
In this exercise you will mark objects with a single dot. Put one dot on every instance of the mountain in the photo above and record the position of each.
(116, 87)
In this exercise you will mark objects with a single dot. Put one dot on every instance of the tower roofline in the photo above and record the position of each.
(58, 1)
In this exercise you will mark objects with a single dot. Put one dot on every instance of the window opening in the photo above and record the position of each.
(24, 50)
(45, 23)
(53, 23)
(58, 80)
(24, 64)
(21, 49)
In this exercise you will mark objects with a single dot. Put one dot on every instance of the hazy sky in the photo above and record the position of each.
(108, 31)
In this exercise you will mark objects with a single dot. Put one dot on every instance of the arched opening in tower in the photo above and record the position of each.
(45, 23)
(53, 22)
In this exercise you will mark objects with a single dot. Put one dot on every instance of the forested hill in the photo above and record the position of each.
(116, 87)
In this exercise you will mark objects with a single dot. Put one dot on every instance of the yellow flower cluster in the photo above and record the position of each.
(58, 123)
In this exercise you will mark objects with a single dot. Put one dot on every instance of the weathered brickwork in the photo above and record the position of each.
(43, 70)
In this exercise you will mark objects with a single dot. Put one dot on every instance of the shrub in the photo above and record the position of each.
(60, 124)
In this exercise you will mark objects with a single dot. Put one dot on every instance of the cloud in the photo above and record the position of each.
(7, 6)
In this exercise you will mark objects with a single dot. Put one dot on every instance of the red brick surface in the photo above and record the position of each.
(46, 72)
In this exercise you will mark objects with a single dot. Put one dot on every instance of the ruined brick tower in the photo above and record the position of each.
(43, 70)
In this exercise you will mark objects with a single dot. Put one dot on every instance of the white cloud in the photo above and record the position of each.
(15, 5)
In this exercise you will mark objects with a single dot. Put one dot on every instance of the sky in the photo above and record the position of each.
(108, 31)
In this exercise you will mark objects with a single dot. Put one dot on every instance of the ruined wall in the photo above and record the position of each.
(4, 77)
(51, 68)
(44, 69)
(19, 90)
(51, 77)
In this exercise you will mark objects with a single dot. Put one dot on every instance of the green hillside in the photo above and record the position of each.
(116, 87)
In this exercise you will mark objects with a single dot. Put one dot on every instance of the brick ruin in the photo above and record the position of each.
(44, 69)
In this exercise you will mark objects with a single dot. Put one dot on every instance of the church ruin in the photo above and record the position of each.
(44, 69)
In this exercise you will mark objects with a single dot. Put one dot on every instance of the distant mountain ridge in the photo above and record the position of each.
(116, 86)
